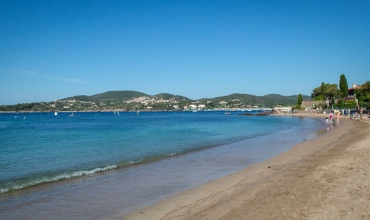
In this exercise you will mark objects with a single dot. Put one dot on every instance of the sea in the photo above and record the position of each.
(104, 165)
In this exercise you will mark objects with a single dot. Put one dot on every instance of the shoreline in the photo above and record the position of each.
(289, 185)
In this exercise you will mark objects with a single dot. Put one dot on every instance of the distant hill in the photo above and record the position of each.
(167, 96)
(266, 100)
(111, 95)
(269, 100)
(125, 100)
(83, 98)
(121, 96)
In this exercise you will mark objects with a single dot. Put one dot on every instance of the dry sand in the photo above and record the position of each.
(324, 178)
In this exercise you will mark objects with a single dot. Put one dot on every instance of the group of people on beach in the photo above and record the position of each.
(346, 112)
(359, 115)
(331, 115)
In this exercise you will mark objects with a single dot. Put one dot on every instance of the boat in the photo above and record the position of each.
(56, 113)
(71, 115)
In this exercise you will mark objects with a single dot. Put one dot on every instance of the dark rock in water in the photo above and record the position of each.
(263, 113)
(247, 114)
(257, 114)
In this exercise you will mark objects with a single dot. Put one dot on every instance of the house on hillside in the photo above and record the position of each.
(351, 91)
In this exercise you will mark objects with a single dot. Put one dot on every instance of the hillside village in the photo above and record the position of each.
(150, 103)
(325, 96)
(134, 101)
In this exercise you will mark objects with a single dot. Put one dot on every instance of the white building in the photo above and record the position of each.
(192, 106)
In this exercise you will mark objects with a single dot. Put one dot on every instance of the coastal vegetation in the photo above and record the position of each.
(343, 86)
(334, 96)
(363, 95)
(300, 99)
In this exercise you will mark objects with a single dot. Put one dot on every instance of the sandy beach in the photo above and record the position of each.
(324, 178)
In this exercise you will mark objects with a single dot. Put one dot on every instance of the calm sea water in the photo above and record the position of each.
(104, 165)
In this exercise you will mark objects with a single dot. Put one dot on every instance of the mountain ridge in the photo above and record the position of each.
(130, 100)
(126, 95)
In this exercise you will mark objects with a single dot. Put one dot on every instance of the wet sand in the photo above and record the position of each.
(324, 178)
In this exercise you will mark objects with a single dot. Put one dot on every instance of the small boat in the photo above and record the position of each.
(56, 113)
(71, 115)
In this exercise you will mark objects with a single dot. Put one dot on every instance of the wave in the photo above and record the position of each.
(17, 185)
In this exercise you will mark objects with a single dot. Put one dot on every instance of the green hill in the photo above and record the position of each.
(119, 95)
(83, 98)
(261, 101)
(116, 100)
(167, 96)
(269, 100)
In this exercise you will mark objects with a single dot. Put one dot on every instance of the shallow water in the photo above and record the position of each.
(205, 146)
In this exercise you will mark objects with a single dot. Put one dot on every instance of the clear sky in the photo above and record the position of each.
(54, 49)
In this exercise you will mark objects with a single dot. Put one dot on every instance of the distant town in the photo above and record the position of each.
(135, 101)
(326, 96)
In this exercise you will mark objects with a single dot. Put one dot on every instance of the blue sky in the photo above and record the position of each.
(199, 49)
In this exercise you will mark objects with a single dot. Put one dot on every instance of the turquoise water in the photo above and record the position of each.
(95, 152)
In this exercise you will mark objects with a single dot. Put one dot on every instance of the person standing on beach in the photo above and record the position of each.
(361, 113)
(345, 113)
(331, 117)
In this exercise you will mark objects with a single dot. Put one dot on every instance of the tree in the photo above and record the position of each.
(327, 92)
(300, 99)
(363, 95)
(343, 86)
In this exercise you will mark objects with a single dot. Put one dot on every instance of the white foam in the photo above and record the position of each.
(56, 178)
(133, 161)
